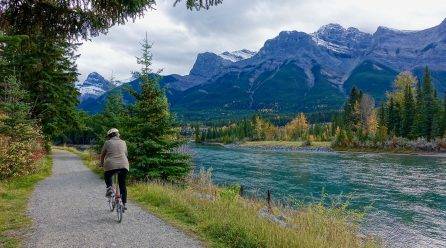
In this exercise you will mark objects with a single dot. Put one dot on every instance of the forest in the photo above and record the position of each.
(38, 98)
(412, 117)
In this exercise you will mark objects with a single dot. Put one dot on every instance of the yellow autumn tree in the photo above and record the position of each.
(368, 115)
(372, 123)
(264, 130)
(403, 80)
(297, 129)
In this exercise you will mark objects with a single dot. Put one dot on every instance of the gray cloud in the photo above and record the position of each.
(179, 34)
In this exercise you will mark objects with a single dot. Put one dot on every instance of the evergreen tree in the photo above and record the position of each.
(12, 94)
(417, 129)
(14, 111)
(352, 115)
(427, 106)
(382, 118)
(197, 133)
(115, 112)
(394, 117)
(47, 72)
(45, 64)
(152, 136)
(443, 121)
(114, 115)
(408, 112)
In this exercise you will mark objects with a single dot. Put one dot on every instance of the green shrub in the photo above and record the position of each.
(20, 152)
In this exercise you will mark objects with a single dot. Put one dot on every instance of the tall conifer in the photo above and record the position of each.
(427, 105)
(408, 112)
(152, 136)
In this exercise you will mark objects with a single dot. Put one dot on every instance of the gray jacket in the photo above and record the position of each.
(115, 153)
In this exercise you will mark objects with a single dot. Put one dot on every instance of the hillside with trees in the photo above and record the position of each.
(412, 117)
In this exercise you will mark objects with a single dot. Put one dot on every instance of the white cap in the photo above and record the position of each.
(113, 130)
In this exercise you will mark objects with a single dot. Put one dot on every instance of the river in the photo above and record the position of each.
(404, 196)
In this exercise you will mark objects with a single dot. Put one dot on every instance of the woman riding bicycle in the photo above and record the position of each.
(114, 161)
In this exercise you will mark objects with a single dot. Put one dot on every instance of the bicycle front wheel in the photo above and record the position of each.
(119, 211)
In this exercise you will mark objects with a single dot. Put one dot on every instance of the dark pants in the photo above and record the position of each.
(122, 174)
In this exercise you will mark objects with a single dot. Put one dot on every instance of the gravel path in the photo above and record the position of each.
(69, 210)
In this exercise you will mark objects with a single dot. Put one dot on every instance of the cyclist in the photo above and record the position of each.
(114, 160)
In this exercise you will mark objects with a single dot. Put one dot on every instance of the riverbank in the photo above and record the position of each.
(403, 152)
(298, 146)
(224, 219)
(14, 196)
(279, 146)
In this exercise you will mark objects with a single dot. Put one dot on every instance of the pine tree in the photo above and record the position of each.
(45, 63)
(443, 121)
(152, 136)
(47, 72)
(197, 134)
(417, 129)
(12, 94)
(114, 115)
(14, 110)
(352, 114)
(408, 112)
(115, 112)
(427, 106)
(394, 117)
(382, 118)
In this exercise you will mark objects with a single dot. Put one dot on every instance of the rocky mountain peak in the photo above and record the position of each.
(351, 38)
(239, 55)
(208, 64)
(442, 26)
(285, 44)
(296, 71)
(95, 79)
(330, 30)
(385, 31)
(94, 86)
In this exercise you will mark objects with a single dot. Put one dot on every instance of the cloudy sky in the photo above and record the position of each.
(179, 34)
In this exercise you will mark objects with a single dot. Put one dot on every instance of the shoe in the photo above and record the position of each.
(124, 207)
(109, 192)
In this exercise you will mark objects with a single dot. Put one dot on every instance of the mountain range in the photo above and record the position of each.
(296, 71)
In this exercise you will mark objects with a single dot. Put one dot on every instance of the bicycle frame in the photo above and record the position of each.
(115, 186)
(114, 200)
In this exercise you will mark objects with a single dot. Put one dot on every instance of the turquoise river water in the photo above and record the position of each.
(404, 196)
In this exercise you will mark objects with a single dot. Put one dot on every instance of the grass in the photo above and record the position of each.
(284, 144)
(14, 195)
(226, 220)
(221, 218)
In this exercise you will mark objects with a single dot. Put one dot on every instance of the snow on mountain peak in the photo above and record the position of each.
(94, 86)
(330, 29)
(336, 38)
(383, 29)
(237, 55)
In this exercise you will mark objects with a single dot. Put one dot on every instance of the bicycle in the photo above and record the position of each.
(114, 200)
